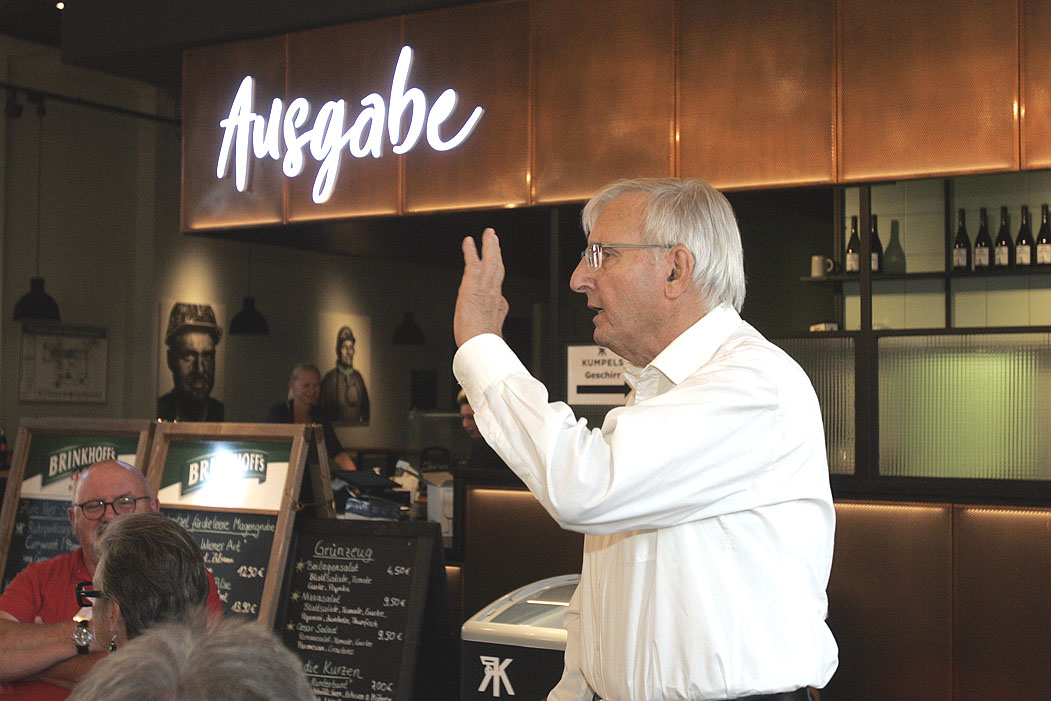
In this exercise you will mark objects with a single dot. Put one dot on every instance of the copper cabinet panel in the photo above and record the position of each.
(510, 540)
(1036, 83)
(890, 602)
(927, 88)
(757, 92)
(482, 52)
(347, 63)
(211, 78)
(604, 93)
(1002, 631)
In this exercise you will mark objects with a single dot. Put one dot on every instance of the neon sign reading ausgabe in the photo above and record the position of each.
(326, 139)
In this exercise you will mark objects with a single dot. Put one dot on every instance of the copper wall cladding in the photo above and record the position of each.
(213, 76)
(1002, 602)
(345, 63)
(757, 92)
(604, 73)
(927, 87)
(482, 52)
(744, 93)
(1035, 85)
(890, 602)
(511, 541)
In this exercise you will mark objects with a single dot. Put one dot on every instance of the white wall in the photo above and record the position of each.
(111, 254)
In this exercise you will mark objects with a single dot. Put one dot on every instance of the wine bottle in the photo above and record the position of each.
(852, 260)
(1043, 239)
(1004, 253)
(894, 256)
(1024, 242)
(961, 246)
(983, 243)
(876, 247)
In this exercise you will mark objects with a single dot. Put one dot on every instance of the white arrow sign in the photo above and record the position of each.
(595, 375)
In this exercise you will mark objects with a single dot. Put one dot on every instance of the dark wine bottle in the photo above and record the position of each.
(876, 247)
(1004, 249)
(894, 256)
(1024, 242)
(852, 259)
(961, 246)
(983, 243)
(1043, 239)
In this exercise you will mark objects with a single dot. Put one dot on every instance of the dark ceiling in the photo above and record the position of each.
(145, 40)
(32, 20)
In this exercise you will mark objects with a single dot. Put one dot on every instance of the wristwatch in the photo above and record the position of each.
(82, 636)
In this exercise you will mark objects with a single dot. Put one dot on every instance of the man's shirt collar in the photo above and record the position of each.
(692, 348)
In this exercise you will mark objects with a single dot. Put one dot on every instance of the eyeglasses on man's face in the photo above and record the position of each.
(595, 253)
(85, 594)
(94, 509)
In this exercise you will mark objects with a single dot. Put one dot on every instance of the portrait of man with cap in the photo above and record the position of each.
(191, 337)
(343, 394)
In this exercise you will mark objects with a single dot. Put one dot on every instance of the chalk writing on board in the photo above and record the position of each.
(348, 613)
(236, 549)
(41, 531)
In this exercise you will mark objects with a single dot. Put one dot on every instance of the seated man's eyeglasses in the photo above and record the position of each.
(595, 253)
(85, 594)
(96, 508)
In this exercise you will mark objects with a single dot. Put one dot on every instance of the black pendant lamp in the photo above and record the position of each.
(249, 321)
(37, 304)
(408, 334)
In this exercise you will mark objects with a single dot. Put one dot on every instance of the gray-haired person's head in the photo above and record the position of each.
(298, 370)
(228, 660)
(152, 568)
(694, 214)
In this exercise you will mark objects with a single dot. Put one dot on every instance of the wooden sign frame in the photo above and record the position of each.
(278, 505)
(31, 428)
(321, 477)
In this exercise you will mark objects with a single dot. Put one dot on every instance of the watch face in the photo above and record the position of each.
(82, 636)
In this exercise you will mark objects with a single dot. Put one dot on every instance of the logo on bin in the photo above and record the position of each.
(496, 672)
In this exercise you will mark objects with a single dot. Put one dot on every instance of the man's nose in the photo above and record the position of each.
(581, 280)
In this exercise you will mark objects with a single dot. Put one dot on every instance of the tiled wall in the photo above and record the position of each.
(917, 207)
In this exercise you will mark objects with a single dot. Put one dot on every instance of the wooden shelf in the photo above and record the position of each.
(938, 275)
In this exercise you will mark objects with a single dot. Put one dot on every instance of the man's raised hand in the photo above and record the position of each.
(480, 304)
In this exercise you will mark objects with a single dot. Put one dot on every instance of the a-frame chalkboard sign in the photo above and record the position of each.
(234, 488)
(34, 524)
(364, 605)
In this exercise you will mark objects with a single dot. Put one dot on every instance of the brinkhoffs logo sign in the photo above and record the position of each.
(64, 462)
(225, 466)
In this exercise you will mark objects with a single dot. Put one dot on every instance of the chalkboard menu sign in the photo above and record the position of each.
(360, 599)
(236, 549)
(233, 487)
(34, 524)
(41, 531)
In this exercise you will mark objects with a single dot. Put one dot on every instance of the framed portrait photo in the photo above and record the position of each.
(344, 356)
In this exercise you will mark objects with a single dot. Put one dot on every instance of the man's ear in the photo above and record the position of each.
(680, 272)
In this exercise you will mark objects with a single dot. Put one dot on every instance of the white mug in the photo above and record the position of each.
(820, 266)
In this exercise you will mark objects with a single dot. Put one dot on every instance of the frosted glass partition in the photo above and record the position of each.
(830, 364)
(967, 405)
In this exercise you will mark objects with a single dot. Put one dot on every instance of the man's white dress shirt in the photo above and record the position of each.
(706, 509)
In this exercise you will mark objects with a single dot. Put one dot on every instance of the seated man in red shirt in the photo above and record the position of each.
(37, 609)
